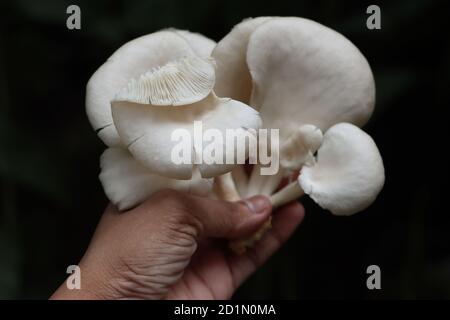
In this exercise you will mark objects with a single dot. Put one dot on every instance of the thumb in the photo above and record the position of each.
(230, 220)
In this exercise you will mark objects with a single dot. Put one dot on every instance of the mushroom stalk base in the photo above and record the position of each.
(240, 246)
(289, 193)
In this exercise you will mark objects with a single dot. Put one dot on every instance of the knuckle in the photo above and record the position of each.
(177, 209)
(181, 235)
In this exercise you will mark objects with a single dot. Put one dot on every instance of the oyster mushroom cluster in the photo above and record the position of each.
(148, 88)
(285, 73)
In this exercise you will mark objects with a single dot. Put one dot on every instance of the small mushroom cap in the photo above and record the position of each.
(127, 183)
(149, 110)
(299, 148)
(348, 174)
(130, 61)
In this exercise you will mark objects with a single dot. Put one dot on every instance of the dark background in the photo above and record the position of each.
(51, 198)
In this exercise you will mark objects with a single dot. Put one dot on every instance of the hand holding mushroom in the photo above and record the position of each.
(290, 74)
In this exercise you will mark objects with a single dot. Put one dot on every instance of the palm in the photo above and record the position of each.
(215, 273)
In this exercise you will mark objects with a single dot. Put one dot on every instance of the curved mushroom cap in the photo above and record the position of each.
(349, 172)
(130, 61)
(302, 73)
(299, 148)
(127, 183)
(201, 45)
(232, 75)
(173, 98)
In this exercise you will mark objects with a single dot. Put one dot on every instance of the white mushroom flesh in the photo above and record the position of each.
(127, 183)
(349, 171)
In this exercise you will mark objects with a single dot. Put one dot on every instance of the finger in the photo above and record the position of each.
(230, 220)
(284, 223)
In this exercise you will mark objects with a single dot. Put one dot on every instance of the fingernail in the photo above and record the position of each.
(258, 204)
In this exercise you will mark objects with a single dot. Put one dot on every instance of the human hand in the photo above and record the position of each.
(171, 247)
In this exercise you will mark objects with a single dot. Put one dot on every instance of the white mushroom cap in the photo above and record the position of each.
(306, 73)
(130, 61)
(232, 76)
(172, 97)
(127, 183)
(302, 73)
(299, 148)
(201, 45)
(348, 174)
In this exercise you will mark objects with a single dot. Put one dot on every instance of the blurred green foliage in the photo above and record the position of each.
(51, 198)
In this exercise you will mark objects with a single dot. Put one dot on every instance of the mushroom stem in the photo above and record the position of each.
(265, 185)
(240, 178)
(272, 183)
(252, 188)
(225, 188)
(256, 181)
(289, 193)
